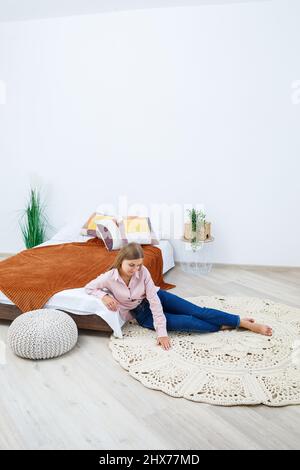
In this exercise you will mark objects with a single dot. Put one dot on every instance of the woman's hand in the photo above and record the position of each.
(110, 302)
(164, 341)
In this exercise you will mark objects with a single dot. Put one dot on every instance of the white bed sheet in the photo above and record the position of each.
(76, 301)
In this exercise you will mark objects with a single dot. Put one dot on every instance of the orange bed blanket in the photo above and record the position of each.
(32, 276)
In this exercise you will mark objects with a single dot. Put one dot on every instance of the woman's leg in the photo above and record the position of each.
(174, 304)
(177, 322)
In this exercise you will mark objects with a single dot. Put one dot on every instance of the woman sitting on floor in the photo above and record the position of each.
(133, 292)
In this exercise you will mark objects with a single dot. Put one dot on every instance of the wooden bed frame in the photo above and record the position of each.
(83, 322)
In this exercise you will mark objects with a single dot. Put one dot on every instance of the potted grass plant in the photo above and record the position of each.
(197, 229)
(34, 222)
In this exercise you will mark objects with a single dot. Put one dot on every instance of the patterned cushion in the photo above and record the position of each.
(108, 230)
(117, 232)
(137, 229)
(90, 226)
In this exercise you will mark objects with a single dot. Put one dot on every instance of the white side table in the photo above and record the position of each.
(195, 258)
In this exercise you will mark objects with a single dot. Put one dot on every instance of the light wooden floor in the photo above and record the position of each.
(85, 400)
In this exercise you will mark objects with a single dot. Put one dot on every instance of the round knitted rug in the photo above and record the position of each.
(229, 367)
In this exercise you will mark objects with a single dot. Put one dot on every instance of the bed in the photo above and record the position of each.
(86, 310)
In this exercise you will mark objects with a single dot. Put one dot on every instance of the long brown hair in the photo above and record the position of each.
(131, 251)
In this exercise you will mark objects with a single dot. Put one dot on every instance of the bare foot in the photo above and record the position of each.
(256, 327)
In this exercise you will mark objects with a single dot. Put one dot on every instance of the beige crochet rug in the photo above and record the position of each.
(233, 367)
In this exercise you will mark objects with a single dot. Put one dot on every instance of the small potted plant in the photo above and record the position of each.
(197, 229)
(33, 222)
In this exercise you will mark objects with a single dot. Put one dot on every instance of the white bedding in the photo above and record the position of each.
(78, 302)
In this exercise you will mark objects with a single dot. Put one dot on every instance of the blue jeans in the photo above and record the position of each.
(182, 315)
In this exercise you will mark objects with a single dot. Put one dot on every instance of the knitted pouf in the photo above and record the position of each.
(42, 334)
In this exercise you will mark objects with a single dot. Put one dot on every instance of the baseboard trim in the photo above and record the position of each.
(250, 266)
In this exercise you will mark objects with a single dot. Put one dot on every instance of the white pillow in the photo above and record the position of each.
(70, 232)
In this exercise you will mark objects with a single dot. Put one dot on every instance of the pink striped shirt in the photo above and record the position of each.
(141, 286)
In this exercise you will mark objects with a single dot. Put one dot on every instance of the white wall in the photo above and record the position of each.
(12, 10)
(176, 105)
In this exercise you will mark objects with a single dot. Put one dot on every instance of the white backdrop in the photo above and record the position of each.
(162, 106)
